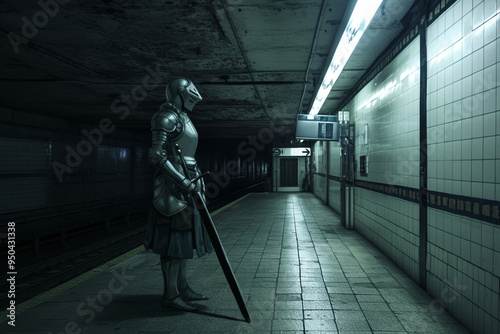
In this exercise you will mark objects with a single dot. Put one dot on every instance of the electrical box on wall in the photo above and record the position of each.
(363, 171)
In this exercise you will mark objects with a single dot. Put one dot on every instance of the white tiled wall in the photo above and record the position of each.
(462, 101)
(389, 223)
(389, 104)
(463, 118)
(464, 158)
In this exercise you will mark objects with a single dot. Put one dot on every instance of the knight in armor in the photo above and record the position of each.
(174, 226)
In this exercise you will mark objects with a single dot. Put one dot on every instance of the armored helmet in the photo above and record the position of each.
(182, 93)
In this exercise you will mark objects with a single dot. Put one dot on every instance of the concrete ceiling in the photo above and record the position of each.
(253, 61)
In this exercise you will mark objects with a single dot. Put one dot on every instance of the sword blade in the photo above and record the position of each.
(221, 254)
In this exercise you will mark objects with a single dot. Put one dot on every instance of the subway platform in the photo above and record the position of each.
(299, 271)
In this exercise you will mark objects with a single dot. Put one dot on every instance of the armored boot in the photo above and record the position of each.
(171, 297)
(185, 290)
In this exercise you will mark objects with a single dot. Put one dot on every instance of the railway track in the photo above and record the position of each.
(42, 276)
(38, 277)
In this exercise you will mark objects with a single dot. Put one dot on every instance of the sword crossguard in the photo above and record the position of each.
(199, 177)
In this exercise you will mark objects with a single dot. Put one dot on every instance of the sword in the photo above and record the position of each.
(199, 177)
(216, 243)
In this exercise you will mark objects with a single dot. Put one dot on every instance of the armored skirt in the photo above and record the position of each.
(178, 235)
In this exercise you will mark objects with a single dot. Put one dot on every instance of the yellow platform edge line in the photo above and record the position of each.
(230, 204)
(38, 299)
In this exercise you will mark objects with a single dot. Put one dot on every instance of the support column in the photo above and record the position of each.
(422, 253)
(327, 195)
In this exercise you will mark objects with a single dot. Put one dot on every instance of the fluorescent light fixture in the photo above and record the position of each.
(358, 22)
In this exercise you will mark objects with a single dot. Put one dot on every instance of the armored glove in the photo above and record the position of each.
(187, 186)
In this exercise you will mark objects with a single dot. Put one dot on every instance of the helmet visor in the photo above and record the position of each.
(191, 96)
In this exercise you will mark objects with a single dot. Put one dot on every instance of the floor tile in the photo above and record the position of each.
(299, 272)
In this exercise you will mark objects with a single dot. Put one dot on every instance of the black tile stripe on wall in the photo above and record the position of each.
(472, 207)
(476, 208)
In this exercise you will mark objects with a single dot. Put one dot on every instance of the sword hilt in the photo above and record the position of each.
(183, 161)
(184, 166)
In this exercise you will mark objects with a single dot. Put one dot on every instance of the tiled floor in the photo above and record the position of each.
(299, 270)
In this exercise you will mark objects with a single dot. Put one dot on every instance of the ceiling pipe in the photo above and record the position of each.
(311, 54)
(254, 82)
(245, 58)
(345, 19)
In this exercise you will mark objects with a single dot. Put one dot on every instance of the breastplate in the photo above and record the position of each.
(187, 140)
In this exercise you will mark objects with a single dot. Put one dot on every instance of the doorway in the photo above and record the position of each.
(289, 168)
